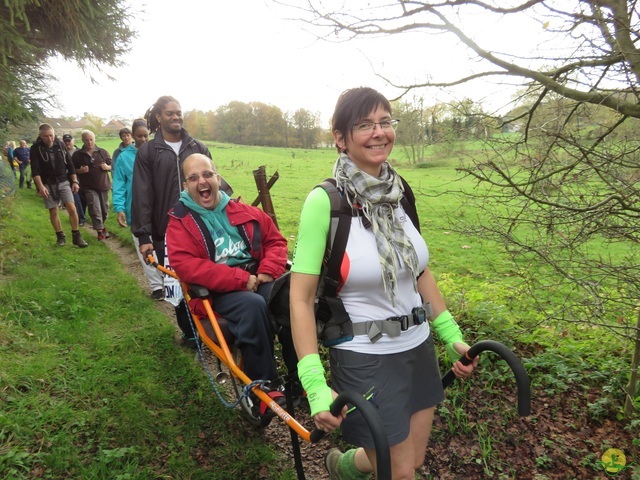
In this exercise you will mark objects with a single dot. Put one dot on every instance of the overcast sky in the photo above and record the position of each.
(208, 53)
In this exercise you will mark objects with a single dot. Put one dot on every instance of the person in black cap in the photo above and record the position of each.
(78, 197)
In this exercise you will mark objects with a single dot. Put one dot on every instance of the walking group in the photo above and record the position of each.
(168, 191)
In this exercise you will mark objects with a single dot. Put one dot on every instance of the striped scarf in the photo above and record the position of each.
(378, 197)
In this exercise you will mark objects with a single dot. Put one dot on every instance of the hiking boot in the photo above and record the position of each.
(101, 235)
(331, 459)
(157, 294)
(61, 239)
(78, 240)
(106, 233)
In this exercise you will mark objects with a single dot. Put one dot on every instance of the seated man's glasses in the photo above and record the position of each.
(195, 177)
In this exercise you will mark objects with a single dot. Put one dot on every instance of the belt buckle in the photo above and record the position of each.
(404, 322)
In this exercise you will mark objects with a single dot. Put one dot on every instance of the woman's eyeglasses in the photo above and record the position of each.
(369, 127)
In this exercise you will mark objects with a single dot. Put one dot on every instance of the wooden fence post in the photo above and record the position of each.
(264, 196)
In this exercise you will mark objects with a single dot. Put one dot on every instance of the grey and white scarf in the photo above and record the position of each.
(378, 197)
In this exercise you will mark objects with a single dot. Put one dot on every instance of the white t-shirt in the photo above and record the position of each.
(362, 291)
(175, 145)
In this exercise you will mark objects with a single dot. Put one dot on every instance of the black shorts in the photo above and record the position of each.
(404, 383)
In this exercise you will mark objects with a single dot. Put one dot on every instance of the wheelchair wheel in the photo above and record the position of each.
(230, 387)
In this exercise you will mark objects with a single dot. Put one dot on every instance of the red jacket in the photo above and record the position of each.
(190, 259)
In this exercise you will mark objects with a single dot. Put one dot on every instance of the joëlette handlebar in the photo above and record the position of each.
(522, 380)
(383, 455)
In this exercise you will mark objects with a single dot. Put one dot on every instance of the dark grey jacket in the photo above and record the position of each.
(157, 182)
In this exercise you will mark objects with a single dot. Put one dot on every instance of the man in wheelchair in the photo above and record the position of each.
(236, 252)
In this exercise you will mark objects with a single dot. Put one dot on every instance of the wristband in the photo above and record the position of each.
(448, 332)
(311, 374)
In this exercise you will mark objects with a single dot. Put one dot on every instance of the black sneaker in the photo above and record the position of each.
(157, 294)
(190, 343)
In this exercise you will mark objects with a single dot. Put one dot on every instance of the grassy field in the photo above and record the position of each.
(92, 384)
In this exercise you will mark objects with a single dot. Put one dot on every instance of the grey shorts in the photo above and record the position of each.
(404, 383)
(58, 192)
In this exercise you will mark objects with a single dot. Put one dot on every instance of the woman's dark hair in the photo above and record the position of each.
(156, 109)
(352, 106)
(137, 123)
(123, 131)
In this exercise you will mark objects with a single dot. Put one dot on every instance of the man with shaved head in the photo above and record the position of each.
(236, 252)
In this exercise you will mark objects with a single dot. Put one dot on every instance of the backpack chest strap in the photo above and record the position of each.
(393, 326)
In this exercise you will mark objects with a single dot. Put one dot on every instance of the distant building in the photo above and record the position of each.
(113, 127)
(73, 127)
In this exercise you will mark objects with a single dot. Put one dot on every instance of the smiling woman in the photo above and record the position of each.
(384, 284)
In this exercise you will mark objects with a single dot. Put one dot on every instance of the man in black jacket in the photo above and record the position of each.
(52, 170)
(157, 182)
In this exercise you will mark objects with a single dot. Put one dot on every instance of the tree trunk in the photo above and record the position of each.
(629, 404)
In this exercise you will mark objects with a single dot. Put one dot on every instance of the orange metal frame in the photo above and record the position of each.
(220, 348)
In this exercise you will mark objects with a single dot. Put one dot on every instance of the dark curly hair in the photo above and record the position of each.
(156, 109)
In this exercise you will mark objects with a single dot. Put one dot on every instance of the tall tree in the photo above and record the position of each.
(89, 32)
(565, 191)
(306, 127)
(412, 129)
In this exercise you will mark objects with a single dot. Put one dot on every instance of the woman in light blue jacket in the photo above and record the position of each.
(122, 188)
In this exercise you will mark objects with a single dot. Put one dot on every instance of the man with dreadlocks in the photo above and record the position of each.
(157, 184)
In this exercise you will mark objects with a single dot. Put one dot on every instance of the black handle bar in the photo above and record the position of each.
(522, 380)
(383, 456)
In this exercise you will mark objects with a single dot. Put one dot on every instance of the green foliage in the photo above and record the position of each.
(92, 33)
(255, 123)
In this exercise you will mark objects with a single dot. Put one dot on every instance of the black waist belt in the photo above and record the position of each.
(393, 326)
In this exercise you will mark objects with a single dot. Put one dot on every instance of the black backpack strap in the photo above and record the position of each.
(341, 214)
(408, 202)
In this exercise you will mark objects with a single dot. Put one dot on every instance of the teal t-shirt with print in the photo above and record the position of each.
(231, 248)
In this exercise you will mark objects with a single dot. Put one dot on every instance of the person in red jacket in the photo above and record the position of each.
(234, 250)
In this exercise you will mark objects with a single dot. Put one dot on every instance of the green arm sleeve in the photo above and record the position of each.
(312, 233)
